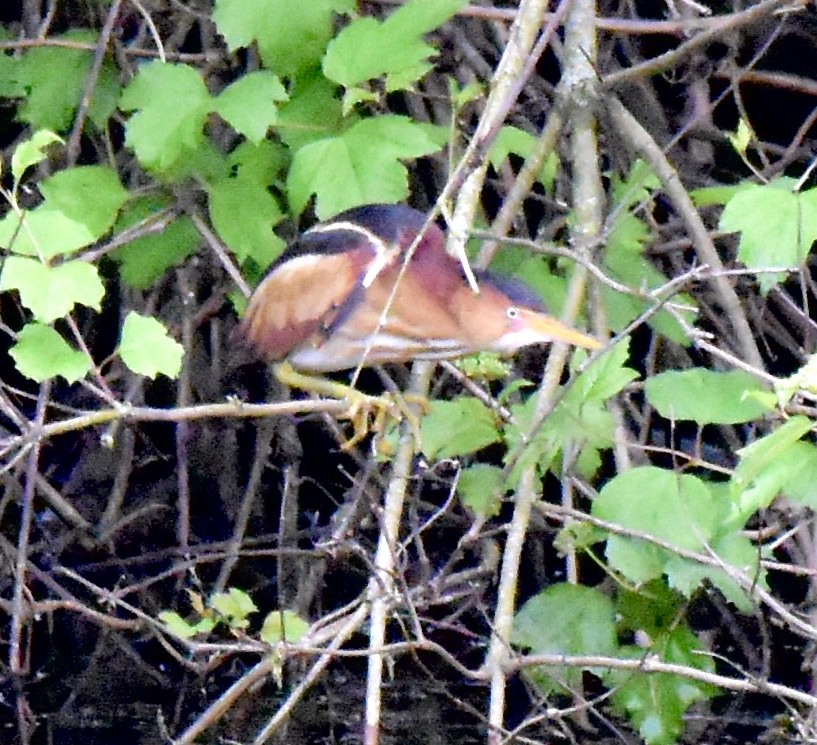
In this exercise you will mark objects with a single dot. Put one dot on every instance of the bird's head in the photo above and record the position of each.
(509, 315)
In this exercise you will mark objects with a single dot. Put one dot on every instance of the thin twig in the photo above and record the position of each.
(72, 149)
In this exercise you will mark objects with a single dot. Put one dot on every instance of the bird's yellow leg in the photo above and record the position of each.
(361, 405)
(411, 415)
(402, 412)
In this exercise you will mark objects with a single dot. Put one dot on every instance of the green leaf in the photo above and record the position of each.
(144, 260)
(656, 703)
(461, 96)
(734, 550)
(625, 260)
(759, 455)
(801, 483)
(459, 427)
(638, 186)
(171, 104)
(283, 625)
(45, 232)
(581, 417)
(235, 605)
(710, 196)
(741, 137)
(565, 619)
(510, 140)
(479, 487)
(312, 113)
(368, 48)
(514, 140)
(176, 625)
(91, 195)
(54, 79)
(32, 151)
(147, 349)
(706, 396)
(51, 292)
(242, 209)
(41, 353)
(776, 226)
(678, 509)
(770, 464)
(653, 609)
(249, 104)
(291, 34)
(604, 377)
(638, 561)
(360, 166)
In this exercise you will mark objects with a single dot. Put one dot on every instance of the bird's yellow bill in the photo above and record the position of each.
(558, 331)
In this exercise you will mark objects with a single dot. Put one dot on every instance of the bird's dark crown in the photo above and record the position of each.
(389, 222)
(515, 290)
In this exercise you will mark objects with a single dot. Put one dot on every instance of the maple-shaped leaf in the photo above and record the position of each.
(41, 353)
(678, 509)
(361, 165)
(656, 703)
(565, 619)
(368, 48)
(144, 260)
(312, 112)
(249, 104)
(171, 104)
(91, 195)
(241, 207)
(291, 34)
(459, 427)
(777, 227)
(51, 292)
(44, 231)
(53, 79)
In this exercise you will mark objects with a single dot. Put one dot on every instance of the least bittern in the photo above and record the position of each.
(376, 286)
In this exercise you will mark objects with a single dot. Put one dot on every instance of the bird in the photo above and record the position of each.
(375, 285)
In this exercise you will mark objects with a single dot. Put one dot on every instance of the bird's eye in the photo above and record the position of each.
(512, 313)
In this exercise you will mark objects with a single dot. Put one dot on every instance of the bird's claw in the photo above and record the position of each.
(364, 409)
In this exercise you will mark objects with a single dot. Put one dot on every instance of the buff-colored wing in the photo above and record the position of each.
(298, 299)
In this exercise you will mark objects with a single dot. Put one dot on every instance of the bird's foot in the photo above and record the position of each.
(368, 414)
(371, 414)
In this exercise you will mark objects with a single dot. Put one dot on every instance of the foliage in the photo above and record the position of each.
(232, 610)
(777, 227)
(706, 396)
(583, 621)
